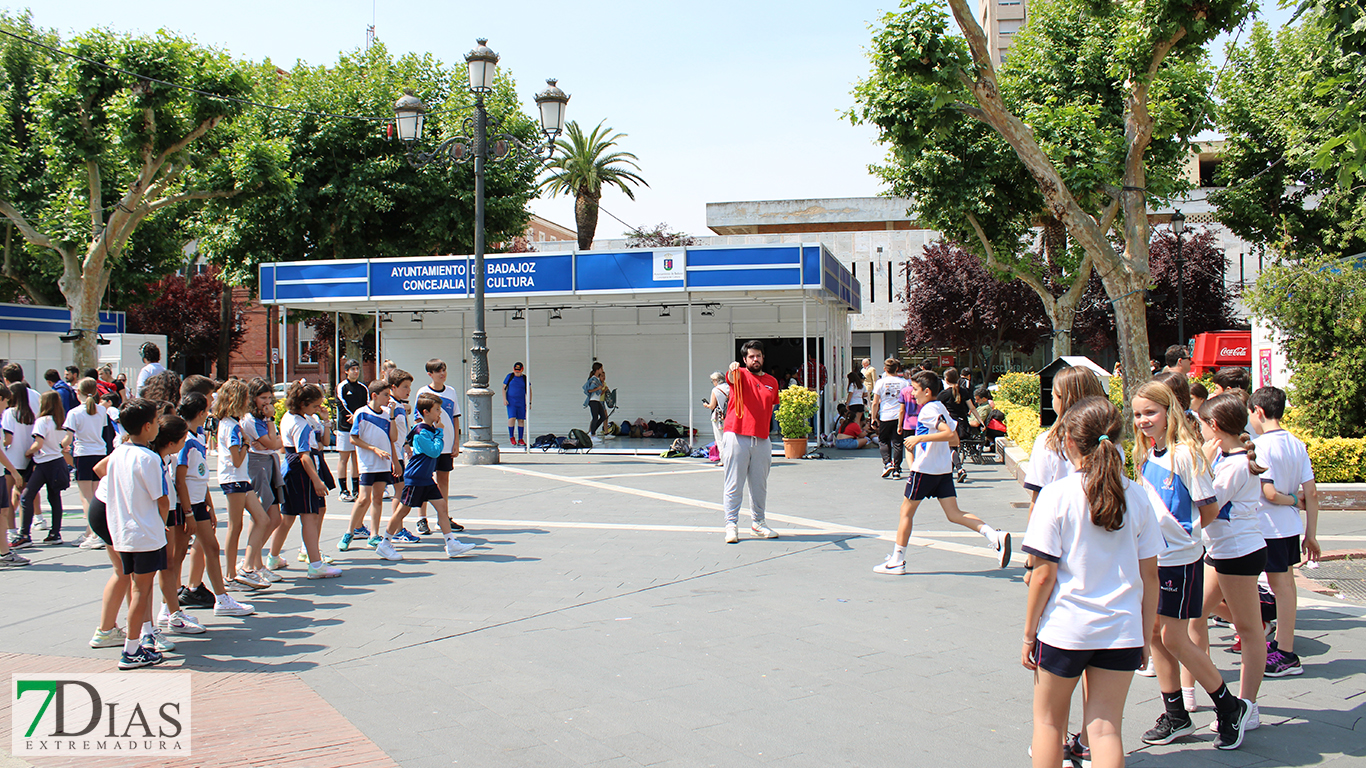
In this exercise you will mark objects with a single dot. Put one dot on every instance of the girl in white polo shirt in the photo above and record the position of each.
(50, 448)
(234, 479)
(1235, 550)
(87, 424)
(1093, 595)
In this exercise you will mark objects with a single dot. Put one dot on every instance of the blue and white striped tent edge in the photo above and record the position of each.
(31, 318)
(808, 268)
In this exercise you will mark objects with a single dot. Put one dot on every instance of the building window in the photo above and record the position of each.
(306, 336)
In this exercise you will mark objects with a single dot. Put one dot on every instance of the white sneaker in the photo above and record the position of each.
(303, 557)
(455, 547)
(39, 522)
(1150, 670)
(249, 580)
(385, 549)
(324, 572)
(90, 541)
(1003, 547)
(183, 624)
(113, 637)
(160, 641)
(1254, 719)
(761, 531)
(268, 575)
(226, 606)
(891, 568)
(732, 534)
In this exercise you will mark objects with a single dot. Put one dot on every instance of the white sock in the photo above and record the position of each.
(131, 645)
(146, 628)
(316, 565)
(988, 532)
(898, 554)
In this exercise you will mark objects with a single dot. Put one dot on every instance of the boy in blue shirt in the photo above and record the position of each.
(419, 485)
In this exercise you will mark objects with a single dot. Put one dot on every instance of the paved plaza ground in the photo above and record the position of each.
(602, 622)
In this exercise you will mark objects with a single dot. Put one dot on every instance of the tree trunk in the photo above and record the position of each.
(83, 299)
(225, 323)
(353, 330)
(586, 217)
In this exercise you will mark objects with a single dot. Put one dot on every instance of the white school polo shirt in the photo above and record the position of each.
(136, 480)
(1235, 532)
(1287, 468)
(373, 428)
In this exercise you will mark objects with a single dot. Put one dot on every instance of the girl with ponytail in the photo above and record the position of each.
(87, 425)
(1093, 594)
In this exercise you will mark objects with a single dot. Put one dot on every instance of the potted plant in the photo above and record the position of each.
(795, 406)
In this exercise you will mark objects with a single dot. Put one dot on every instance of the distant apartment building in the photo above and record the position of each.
(1000, 20)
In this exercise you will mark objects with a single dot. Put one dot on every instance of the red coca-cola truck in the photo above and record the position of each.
(1217, 349)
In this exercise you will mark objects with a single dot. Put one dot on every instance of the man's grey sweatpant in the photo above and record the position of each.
(747, 459)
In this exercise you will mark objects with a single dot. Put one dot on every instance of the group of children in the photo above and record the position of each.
(1126, 574)
(143, 471)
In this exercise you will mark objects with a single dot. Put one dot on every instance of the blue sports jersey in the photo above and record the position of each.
(516, 388)
(426, 442)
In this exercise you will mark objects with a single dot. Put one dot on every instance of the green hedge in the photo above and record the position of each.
(1019, 388)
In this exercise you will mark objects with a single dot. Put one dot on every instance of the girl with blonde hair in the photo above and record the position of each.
(234, 479)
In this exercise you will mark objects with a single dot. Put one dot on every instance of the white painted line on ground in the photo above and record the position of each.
(820, 525)
(650, 474)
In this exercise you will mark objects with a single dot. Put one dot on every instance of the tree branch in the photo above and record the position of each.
(32, 290)
(1045, 295)
(30, 234)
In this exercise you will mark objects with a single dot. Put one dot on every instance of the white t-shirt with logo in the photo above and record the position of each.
(1287, 468)
(88, 429)
(450, 411)
(21, 437)
(372, 427)
(888, 391)
(255, 429)
(46, 428)
(1097, 601)
(195, 459)
(933, 458)
(1180, 488)
(135, 482)
(230, 435)
(1235, 532)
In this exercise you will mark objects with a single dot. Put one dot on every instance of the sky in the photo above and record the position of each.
(720, 101)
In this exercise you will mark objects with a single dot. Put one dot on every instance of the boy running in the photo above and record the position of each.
(419, 486)
(450, 429)
(931, 476)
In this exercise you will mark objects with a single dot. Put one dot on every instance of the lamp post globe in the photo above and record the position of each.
(409, 115)
(483, 66)
(552, 102)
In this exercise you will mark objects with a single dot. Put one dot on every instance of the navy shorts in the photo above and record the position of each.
(1181, 590)
(231, 488)
(1281, 554)
(445, 462)
(517, 411)
(144, 562)
(85, 467)
(4, 490)
(414, 496)
(27, 472)
(299, 496)
(375, 478)
(200, 512)
(175, 516)
(1064, 663)
(1251, 564)
(921, 486)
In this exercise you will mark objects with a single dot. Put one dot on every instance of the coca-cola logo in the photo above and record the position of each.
(1233, 352)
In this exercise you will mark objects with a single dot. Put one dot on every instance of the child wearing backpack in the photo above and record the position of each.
(1289, 477)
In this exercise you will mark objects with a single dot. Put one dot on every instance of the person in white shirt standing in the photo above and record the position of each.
(932, 476)
(151, 359)
(886, 412)
(87, 424)
(1093, 596)
(1288, 480)
(450, 430)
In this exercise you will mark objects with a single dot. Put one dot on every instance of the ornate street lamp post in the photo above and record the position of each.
(410, 115)
(1178, 229)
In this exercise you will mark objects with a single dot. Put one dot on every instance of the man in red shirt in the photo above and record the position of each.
(753, 395)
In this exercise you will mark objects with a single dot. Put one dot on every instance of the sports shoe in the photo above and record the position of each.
(158, 641)
(404, 537)
(20, 542)
(1215, 621)
(1230, 732)
(182, 623)
(108, 638)
(345, 495)
(886, 470)
(324, 572)
(1282, 663)
(732, 534)
(896, 474)
(276, 563)
(303, 556)
(1076, 754)
(456, 527)
(90, 541)
(1254, 720)
(1168, 730)
(268, 575)
(455, 547)
(230, 607)
(142, 657)
(53, 538)
(203, 595)
(361, 532)
(374, 541)
(1003, 547)
(248, 581)
(761, 531)
(1188, 699)
(891, 567)
(385, 549)
(40, 522)
(423, 528)
(13, 560)
(345, 542)
(1149, 670)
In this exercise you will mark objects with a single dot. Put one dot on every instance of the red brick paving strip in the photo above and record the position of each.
(239, 719)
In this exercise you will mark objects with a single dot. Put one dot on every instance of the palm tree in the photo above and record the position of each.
(583, 167)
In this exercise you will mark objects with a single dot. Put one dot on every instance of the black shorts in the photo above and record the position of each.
(375, 478)
(1064, 663)
(175, 516)
(201, 512)
(1251, 564)
(921, 486)
(99, 521)
(853, 409)
(27, 472)
(230, 488)
(299, 496)
(4, 490)
(445, 462)
(85, 467)
(1281, 554)
(1181, 590)
(143, 562)
(414, 496)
